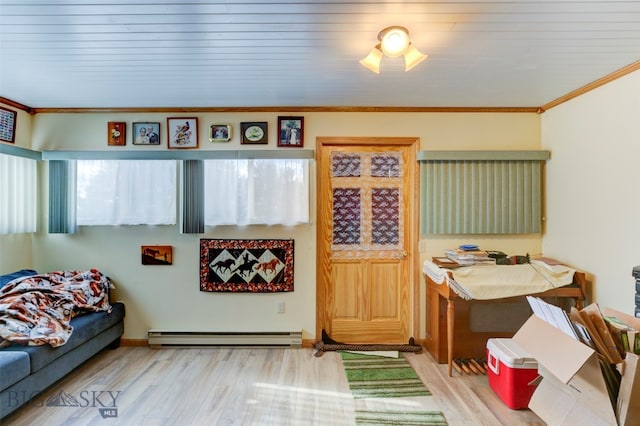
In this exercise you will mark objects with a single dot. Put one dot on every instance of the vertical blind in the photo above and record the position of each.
(18, 194)
(193, 197)
(62, 189)
(481, 196)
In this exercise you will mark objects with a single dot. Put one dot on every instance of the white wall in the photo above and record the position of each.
(169, 296)
(593, 196)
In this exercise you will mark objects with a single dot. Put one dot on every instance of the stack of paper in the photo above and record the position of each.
(470, 257)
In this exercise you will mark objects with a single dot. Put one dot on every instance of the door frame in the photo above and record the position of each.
(412, 236)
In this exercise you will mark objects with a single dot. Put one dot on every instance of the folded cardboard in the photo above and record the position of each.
(629, 398)
(573, 390)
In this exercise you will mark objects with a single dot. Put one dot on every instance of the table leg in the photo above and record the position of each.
(450, 318)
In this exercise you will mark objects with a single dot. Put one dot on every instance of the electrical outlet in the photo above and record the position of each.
(280, 307)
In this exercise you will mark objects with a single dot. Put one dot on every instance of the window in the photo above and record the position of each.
(256, 191)
(18, 194)
(126, 192)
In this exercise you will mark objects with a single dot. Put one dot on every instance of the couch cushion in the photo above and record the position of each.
(84, 327)
(4, 279)
(15, 366)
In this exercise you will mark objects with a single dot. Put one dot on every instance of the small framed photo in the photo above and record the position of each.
(8, 125)
(183, 132)
(146, 134)
(220, 132)
(156, 255)
(255, 132)
(291, 132)
(116, 135)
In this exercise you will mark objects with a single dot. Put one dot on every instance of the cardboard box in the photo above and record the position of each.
(629, 398)
(511, 372)
(573, 389)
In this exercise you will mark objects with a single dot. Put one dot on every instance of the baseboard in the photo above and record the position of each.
(306, 343)
(172, 338)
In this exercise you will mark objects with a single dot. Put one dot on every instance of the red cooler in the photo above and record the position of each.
(510, 372)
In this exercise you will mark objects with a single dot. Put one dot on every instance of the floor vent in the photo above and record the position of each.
(190, 339)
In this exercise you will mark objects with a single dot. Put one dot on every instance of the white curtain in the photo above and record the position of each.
(126, 192)
(18, 194)
(266, 191)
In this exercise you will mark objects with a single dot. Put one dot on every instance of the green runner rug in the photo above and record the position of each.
(381, 377)
(395, 417)
(371, 376)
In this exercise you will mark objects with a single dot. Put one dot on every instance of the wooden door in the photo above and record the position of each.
(367, 231)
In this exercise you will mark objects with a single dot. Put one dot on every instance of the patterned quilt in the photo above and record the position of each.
(37, 309)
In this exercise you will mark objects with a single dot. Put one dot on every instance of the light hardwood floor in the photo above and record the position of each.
(217, 386)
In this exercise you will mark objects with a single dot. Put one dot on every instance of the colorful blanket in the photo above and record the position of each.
(37, 309)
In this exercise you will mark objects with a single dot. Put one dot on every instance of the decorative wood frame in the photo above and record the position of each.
(8, 125)
(291, 132)
(220, 132)
(255, 132)
(116, 133)
(148, 138)
(182, 132)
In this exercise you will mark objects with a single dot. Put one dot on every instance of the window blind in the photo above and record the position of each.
(18, 194)
(62, 206)
(256, 192)
(193, 197)
(481, 196)
(126, 192)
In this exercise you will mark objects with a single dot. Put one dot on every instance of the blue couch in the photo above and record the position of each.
(26, 371)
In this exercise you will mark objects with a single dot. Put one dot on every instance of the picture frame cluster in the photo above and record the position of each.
(182, 132)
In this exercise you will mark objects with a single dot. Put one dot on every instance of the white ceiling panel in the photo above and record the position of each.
(198, 53)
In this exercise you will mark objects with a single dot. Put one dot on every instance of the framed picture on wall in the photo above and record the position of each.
(254, 132)
(116, 134)
(220, 132)
(182, 132)
(7, 125)
(146, 133)
(291, 132)
(156, 255)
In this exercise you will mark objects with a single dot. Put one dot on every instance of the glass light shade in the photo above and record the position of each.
(394, 41)
(373, 59)
(413, 57)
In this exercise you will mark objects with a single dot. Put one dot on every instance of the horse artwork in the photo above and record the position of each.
(156, 255)
(246, 266)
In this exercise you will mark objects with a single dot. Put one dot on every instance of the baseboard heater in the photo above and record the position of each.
(285, 339)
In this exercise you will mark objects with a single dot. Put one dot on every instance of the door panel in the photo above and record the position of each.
(385, 289)
(366, 227)
(347, 290)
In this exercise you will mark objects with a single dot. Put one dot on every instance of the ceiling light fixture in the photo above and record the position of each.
(394, 42)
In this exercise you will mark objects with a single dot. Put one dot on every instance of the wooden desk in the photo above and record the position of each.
(448, 319)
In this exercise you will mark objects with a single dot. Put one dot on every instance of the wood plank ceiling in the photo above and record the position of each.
(201, 53)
